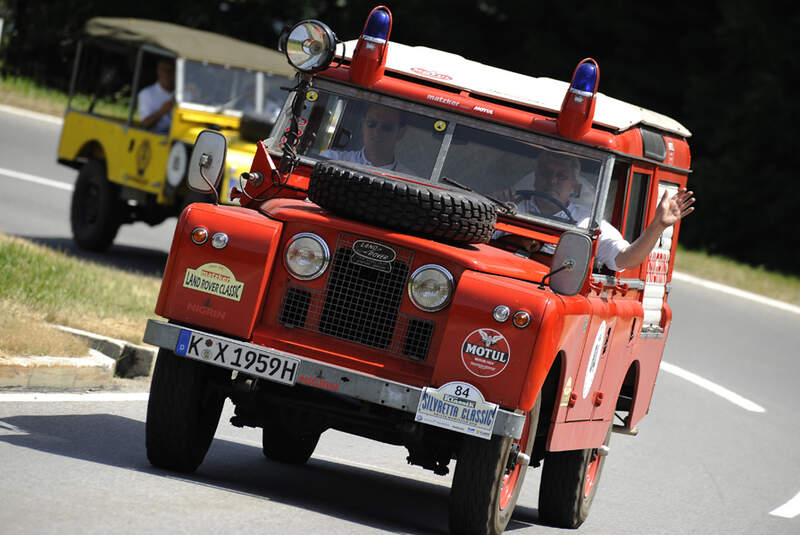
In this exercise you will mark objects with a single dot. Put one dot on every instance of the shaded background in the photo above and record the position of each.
(727, 70)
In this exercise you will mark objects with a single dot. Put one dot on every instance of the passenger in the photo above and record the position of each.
(155, 102)
(382, 127)
(557, 180)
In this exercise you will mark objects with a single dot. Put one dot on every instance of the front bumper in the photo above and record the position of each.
(358, 385)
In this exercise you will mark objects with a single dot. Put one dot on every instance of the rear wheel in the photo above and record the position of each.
(96, 210)
(182, 413)
(569, 484)
(487, 480)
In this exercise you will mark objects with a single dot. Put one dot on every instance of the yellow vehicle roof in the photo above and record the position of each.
(190, 43)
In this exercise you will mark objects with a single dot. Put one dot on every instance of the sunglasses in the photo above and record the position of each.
(385, 126)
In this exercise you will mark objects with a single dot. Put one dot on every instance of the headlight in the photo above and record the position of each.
(307, 256)
(430, 287)
(310, 46)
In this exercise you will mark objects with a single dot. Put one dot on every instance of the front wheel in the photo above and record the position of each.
(182, 413)
(96, 209)
(569, 484)
(487, 480)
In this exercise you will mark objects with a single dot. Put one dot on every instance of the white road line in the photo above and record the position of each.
(36, 179)
(61, 397)
(32, 114)
(736, 292)
(714, 388)
(788, 510)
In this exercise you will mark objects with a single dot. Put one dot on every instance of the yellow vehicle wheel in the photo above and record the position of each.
(96, 209)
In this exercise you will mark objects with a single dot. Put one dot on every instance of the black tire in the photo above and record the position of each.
(285, 444)
(96, 209)
(569, 484)
(454, 216)
(484, 492)
(182, 413)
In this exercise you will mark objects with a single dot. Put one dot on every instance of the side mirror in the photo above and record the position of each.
(207, 161)
(570, 263)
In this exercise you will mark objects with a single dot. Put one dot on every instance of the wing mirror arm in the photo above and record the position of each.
(568, 264)
(207, 162)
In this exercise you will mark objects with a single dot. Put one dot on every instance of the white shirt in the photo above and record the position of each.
(149, 100)
(610, 242)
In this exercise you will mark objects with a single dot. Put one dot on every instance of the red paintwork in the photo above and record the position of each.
(563, 329)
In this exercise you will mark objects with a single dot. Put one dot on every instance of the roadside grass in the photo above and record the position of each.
(39, 286)
(25, 93)
(757, 280)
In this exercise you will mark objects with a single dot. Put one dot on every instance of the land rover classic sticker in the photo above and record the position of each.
(214, 279)
(457, 406)
(594, 359)
(485, 352)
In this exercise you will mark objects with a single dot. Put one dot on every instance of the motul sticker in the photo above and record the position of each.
(485, 352)
(214, 279)
(594, 359)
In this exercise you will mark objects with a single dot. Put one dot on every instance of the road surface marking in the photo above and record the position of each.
(32, 114)
(36, 179)
(60, 396)
(788, 510)
(736, 292)
(714, 388)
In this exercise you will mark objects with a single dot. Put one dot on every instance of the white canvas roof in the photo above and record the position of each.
(543, 93)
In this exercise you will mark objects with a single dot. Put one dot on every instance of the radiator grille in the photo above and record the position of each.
(360, 304)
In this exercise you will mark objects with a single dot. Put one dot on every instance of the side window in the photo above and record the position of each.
(103, 82)
(637, 204)
(615, 200)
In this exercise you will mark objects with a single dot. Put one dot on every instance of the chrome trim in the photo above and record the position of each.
(325, 249)
(447, 275)
(358, 385)
(191, 235)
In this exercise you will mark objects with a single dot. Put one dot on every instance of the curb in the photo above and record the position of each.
(107, 358)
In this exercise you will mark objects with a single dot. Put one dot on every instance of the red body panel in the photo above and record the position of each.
(249, 256)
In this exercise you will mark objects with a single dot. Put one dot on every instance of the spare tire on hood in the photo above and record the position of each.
(440, 213)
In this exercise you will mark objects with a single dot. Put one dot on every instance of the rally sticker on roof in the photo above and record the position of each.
(485, 352)
(214, 279)
(459, 407)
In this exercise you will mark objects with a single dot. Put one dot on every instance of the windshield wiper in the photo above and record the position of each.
(507, 208)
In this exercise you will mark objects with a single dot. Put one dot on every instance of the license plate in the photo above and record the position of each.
(227, 354)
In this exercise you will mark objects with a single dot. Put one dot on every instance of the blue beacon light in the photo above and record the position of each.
(584, 82)
(378, 26)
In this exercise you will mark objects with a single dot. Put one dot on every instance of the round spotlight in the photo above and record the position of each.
(219, 240)
(430, 287)
(501, 313)
(521, 319)
(310, 46)
(307, 256)
(199, 235)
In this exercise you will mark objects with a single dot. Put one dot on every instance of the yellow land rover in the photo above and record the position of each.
(131, 160)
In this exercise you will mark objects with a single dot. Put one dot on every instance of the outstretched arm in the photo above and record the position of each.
(670, 210)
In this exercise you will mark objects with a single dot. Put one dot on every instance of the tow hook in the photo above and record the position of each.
(516, 457)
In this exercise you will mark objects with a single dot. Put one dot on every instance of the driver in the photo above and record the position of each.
(557, 181)
(382, 127)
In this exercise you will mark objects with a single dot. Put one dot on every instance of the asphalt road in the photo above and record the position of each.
(704, 462)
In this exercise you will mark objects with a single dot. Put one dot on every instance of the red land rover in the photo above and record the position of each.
(404, 268)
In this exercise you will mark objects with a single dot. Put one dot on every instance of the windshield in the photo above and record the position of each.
(219, 88)
(542, 177)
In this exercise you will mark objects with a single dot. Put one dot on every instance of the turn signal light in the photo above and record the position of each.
(199, 235)
(521, 319)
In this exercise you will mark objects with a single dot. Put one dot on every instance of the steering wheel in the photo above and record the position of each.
(528, 193)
